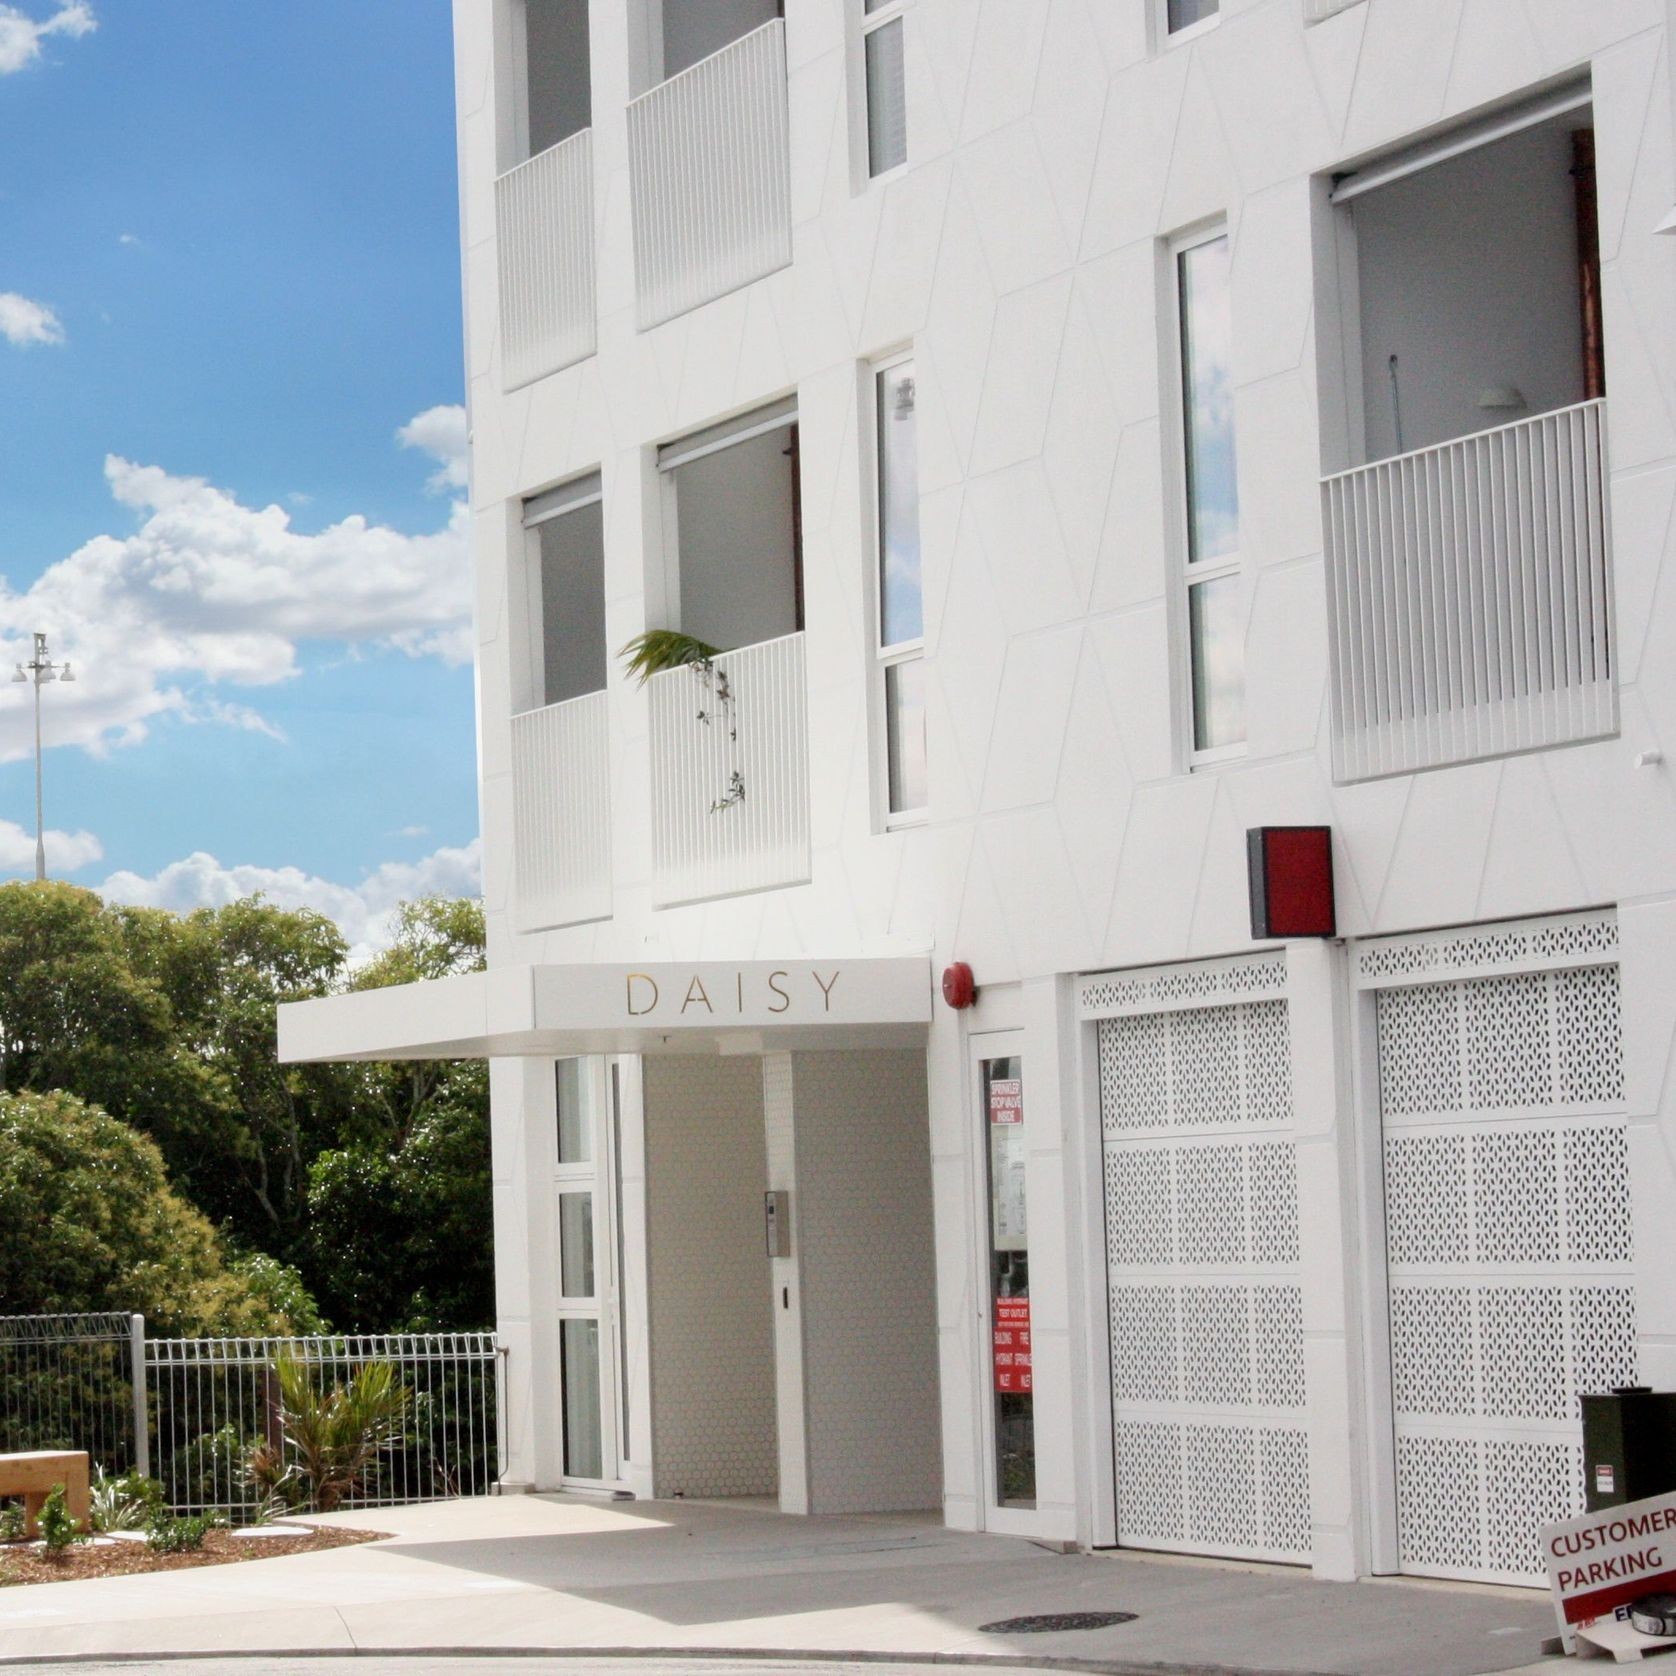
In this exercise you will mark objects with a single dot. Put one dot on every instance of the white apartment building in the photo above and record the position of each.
(1085, 431)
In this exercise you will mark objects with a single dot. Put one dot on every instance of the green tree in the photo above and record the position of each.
(400, 1215)
(93, 1224)
(372, 1180)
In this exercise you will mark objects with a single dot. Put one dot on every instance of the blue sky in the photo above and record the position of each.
(229, 279)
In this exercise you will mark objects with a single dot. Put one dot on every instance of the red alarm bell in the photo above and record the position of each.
(958, 989)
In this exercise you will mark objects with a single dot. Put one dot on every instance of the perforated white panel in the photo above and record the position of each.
(1507, 1231)
(1202, 1249)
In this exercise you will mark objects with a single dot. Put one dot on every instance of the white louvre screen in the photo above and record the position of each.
(1201, 1204)
(1509, 1241)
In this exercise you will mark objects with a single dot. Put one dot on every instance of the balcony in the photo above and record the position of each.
(561, 814)
(544, 215)
(709, 177)
(1469, 597)
(730, 774)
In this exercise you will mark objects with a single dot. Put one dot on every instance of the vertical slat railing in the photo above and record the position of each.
(1469, 597)
(737, 726)
(561, 813)
(710, 177)
(544, 222)
(212, 1400)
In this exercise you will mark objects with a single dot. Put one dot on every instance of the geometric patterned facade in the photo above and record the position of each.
(1511, 1249)
(1095, 886)
(1201, 1213)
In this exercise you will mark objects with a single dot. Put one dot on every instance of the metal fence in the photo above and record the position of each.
(189, 1411)
(67, 1382)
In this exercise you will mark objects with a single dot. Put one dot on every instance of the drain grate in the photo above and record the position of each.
(1043, 1622)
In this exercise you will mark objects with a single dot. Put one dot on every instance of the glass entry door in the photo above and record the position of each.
(590, 1335)
(1009, 1381)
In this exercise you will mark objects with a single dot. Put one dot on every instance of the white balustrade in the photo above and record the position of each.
(561, 813)
(710, 177)
(730, 774)
(544, 221)
(1469, 597)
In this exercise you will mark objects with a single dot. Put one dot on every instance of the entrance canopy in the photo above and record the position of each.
(749, 1006)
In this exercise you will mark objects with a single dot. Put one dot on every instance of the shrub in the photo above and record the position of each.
(11, 1522)
(168, 1535)
(279, 1486)
(338, 1435)
(128, 1503)
(58, 1529)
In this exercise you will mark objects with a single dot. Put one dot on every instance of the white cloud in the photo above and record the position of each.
(23, 322)
(412, 832)
(128, 238)
(441, 433)
(363, 912)
(66, 851)
(21, 35)
(207, 590)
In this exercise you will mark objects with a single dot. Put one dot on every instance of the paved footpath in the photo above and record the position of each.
(656, 1585)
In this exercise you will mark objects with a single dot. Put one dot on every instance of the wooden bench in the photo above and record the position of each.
(35, 1474)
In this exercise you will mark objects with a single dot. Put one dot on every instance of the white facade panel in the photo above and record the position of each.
(1020, 255)
(1202, 1245)
(561, 779)
(1509, 1232)
(708, 171)
(544, 216)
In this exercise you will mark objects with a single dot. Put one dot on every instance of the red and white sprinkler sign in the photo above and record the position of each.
(1600, 1565)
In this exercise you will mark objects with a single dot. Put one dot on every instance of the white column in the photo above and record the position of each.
(521, 1118)
(786, 1281)
(1052, 1108)
(1324, 1116)
(1647, 992)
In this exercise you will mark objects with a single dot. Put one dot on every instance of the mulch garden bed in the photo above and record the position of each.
(20, 1563)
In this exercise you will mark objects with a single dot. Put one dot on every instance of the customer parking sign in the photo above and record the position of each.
(1604, 1565)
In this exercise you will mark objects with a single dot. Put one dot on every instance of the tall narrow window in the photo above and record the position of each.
(901, 621)
(566, 615)
(887, 105)
(1180, 15)
(1009, 1282)
(1215, 632)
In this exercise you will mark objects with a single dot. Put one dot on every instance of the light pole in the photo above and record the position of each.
(41, 669)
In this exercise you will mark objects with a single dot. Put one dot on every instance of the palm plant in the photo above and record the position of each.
(336, 1436)
(656, 650)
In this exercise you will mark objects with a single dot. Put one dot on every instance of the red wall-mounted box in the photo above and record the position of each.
(1291, 869)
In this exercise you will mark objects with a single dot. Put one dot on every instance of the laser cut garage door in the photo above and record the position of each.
(1201, 1204)
(1507, 1232)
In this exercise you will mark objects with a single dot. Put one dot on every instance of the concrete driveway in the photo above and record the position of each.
(565, 1575)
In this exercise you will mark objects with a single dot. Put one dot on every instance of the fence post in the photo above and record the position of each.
(142, 1417)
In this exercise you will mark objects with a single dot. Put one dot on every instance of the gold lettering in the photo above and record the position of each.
(628, 990)
(826, 988)
(785, 999)
(700, 995)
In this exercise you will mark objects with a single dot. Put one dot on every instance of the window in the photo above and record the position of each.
(887, 108)
(693, 30)
(1215, 627)
(734, 529)
(901, 622)
(565, 610)
(558, 99)
(1182, 15)
(1007, 1153)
